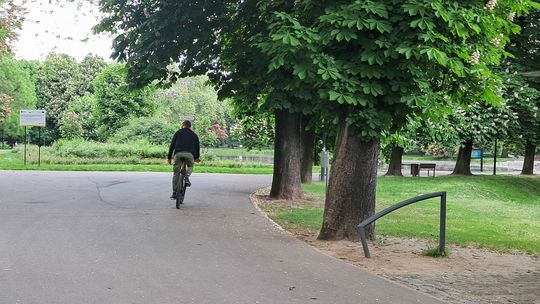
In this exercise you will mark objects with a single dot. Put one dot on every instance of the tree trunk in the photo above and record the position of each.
(286, 183)
(394, 167)
(308, 144)
(504, 153)
(528, 163)
(352, 185)
(463, 163)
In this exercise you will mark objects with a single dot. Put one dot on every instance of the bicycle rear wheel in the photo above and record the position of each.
(180, 191)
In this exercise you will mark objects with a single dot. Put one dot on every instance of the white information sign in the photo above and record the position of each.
(32, 118)
(187, 117)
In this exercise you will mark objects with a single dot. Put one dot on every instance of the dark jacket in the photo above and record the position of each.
(185, 140)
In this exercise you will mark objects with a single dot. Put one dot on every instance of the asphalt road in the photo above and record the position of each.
(79, 237)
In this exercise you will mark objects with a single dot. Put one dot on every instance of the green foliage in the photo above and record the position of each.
(90, 67)
(436, 252)
(57, 85)
(524, 101)
(523, 93)
(481, 123)
(71, 126)
(255, 131)
(60, 81)
(11, 16)
(193, 96)
(15, 82)
(5, 109)
(405, 54)
(89, 149)
(82, 110)
(406, 138)
(116, 103)
(13, 161)
(155, 130)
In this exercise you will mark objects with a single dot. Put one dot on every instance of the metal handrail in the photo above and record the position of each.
(376, 216)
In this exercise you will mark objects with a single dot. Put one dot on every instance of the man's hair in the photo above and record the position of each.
(186, 124)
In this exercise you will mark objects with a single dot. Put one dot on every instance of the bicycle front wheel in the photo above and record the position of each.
(181, 191)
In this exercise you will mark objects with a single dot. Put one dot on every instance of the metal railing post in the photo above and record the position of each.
(442, 235)
(376, 216)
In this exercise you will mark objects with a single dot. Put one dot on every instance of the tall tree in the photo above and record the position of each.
(394, 144)
(58, 83)
(15, 82)
(214, 38)
(193, 96)
(368, 63)
(478, 123)
(373, 63)
(90, 67)
(308, 149)
(524, 133)
(10, 22)
(116, 102)
(523, 91)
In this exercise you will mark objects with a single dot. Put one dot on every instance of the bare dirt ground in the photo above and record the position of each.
(468, 275)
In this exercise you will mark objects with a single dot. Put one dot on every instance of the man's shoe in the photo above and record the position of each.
(188, 182)
(173, 196)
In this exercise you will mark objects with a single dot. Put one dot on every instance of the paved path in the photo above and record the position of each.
(82, 237)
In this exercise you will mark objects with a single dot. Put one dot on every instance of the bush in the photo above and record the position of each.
(71, 126)
(89, 149)
(156, 130)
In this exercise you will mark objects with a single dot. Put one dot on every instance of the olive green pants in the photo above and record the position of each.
(189, 159)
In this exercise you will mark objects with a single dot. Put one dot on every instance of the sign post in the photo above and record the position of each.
(33, 118)
(479, 154)
(495, 159)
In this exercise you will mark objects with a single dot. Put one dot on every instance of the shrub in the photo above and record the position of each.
(156, 130)
(89, 149)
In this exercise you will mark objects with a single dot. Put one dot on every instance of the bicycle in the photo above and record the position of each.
(181, 186)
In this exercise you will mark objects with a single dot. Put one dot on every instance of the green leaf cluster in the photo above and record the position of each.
(116, 103)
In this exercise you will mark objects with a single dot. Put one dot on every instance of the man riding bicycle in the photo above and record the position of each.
(186, 148)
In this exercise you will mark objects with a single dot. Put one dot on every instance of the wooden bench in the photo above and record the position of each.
(415, 168)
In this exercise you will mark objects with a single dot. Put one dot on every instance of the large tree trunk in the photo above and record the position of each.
(308, 144)
(528, 163)
(352, 185)
(463, 163)
(394, 167)
(286, 182)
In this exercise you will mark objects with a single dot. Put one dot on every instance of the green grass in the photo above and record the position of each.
(501, 213)
(14, 161)
(436, 252)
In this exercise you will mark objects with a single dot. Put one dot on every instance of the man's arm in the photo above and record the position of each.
(171, 147)
(198, 146)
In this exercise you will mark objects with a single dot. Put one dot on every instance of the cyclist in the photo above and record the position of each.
(186, 147)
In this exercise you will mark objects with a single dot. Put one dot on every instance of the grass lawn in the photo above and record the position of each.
(500, 213)
(14, 161)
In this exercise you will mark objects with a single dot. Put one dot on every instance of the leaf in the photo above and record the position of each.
(415, 23)
(384, 27)
(333, 95)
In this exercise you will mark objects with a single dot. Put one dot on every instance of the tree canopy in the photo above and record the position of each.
(116, 103)
(18, 88)
(365, 64)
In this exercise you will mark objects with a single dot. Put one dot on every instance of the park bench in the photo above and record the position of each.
(415, 168)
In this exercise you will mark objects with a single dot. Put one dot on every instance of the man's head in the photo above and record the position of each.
(186, 124)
